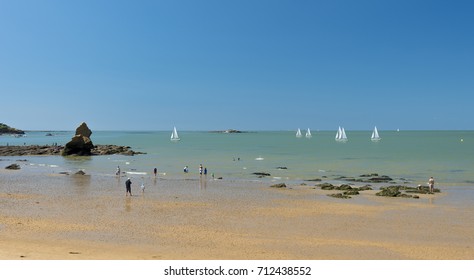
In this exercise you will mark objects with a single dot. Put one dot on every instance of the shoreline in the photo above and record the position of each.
(56, 150)
(52, 216)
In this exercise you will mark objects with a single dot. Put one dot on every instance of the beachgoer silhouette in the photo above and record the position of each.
(155, 171)
(128, 185)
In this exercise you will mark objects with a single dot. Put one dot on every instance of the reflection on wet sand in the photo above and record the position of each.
(203, 183)
(128, 204)
(81, 183)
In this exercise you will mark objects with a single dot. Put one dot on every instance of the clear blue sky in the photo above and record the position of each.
(249, 65)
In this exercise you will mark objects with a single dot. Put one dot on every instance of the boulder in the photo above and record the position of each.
(80, 144)
(84, 130)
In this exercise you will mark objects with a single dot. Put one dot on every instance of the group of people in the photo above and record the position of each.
(201, 171)
(128, 182)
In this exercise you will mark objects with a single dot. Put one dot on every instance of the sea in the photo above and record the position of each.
(406, 156)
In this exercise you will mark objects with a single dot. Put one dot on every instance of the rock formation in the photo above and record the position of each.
(5, 129)
(80, 144)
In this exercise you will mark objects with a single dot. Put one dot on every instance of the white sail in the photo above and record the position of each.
(338, 134)
(308, 133)
(341, 135)
(298, 133)
(174, 135)
(375, 135)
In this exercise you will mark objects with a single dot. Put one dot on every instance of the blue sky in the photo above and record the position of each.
(249, 65)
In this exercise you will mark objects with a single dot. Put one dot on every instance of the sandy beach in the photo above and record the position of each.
(54, 217)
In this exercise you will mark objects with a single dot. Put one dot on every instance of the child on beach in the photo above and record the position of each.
(431, 184)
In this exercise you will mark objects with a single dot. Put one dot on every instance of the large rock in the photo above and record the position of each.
(84, 130)
(80, 144)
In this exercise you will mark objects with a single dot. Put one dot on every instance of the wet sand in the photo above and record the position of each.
(54, 216)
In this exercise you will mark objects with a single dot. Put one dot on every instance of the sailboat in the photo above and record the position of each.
(174, 135)
(375, 135)
(308, 134)
(341, 135)
(298, 133)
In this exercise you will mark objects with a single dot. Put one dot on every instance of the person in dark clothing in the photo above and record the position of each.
(128, 185)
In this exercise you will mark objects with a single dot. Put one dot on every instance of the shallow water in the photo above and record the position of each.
(411, 156)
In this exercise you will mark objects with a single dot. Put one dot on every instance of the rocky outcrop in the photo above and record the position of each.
(5, 129)
(366, 178)
(31, 150)
(36, 150)
(278, 186)
(80, 144)
(102, 150)
(261, 174)
(395, 191)
(84, 130)
(13, 167)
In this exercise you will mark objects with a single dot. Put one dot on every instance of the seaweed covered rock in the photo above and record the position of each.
(365, 188)
(351, 192)
(262, 174)
(391, 191)
(339, 195)
(13, 167)
(278, 186)
(326, 186)
(343, 187)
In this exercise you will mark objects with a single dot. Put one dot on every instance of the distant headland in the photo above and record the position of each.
(5, 129)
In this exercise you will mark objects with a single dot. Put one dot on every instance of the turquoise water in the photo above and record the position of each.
(411, 155)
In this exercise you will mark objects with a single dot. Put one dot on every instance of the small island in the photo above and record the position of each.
(5, 129)
(228, 131)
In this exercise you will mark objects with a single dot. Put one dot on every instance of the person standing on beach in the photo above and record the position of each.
(200, 169)
(128, 185)
(118, 171)
(431, 184)
(205, 170)
(155, 171)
